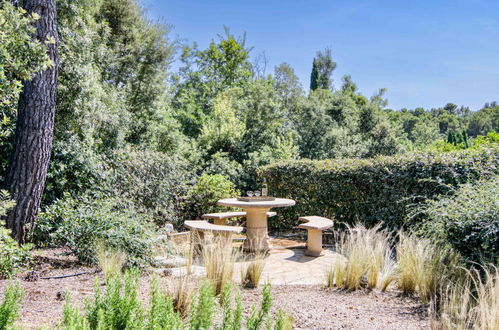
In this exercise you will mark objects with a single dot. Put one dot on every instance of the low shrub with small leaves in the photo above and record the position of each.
(372, 191)
(84, 222)
(12, 256)
(202, 197)
(468, 220)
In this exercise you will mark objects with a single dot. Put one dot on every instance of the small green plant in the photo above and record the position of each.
(203, 308)
(12, 256)
(11, 304)
(258, 316)
(232, 311)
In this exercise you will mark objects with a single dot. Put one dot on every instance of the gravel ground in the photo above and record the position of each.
(312, 307)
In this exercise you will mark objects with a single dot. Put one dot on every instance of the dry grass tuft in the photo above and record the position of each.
(423, 266)
(472, 303)
(111, 261)
(219, 259)
(252, 273)
(183, 293)
(365, 254)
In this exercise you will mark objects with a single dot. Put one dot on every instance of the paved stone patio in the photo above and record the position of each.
(285, 264)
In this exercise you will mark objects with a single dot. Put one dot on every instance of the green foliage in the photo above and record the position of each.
(322, 69)
(378, 190)
(466, 220)
(152, 181)
(21, 57)
(11, 305)
(258, 316)
(203, 197)
(12, 256)
(203, 309)
(80, 223)
(119, 307)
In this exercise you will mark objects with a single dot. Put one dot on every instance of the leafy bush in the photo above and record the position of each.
(151, 180)
(81, 223)
(371, 191)
(467, 220)
(203, 197)
(12, 256)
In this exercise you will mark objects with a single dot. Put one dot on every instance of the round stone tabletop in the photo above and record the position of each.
(278, 202)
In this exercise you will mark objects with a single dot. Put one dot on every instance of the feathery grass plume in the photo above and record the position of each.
(219, 259)
(252, 272)
(472, 303)
(161, 312)
(388, 272)
(11, 305)
(111, 261)
(364, 251)
(203, 308)
(454, 311)
(424, 266)
(411, 255)
(336, 274)
(440, 267)
(182, 295)
(258, 316)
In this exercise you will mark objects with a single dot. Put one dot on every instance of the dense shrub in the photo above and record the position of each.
(377, 190)
(12, 256)
(468, 220)
(153, 181)
(202, 197)
(81, 223)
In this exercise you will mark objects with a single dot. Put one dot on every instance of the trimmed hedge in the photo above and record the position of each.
(371, 191)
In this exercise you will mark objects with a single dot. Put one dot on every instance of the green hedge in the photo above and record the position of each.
(468, 221)
(371, 191)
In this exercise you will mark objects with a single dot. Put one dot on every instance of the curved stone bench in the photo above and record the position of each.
(315, 225)
(221, 217)
(199, 227)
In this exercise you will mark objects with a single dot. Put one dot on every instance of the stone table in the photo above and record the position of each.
(256, 220)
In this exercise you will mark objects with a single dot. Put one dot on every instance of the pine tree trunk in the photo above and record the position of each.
(34, 130)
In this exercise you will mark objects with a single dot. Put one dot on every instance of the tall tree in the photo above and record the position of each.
(322, 70)
(314, 76)
(34, 128)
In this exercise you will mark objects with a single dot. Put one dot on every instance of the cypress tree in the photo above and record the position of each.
(314, 76)
(465, 139)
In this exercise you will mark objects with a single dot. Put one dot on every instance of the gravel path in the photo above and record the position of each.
(314, 307)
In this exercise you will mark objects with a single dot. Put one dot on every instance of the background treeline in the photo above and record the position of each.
(138, 144)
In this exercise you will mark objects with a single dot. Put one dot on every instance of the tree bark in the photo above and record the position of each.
(34, 129)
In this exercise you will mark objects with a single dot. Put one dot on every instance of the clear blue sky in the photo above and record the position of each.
(426, 52)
